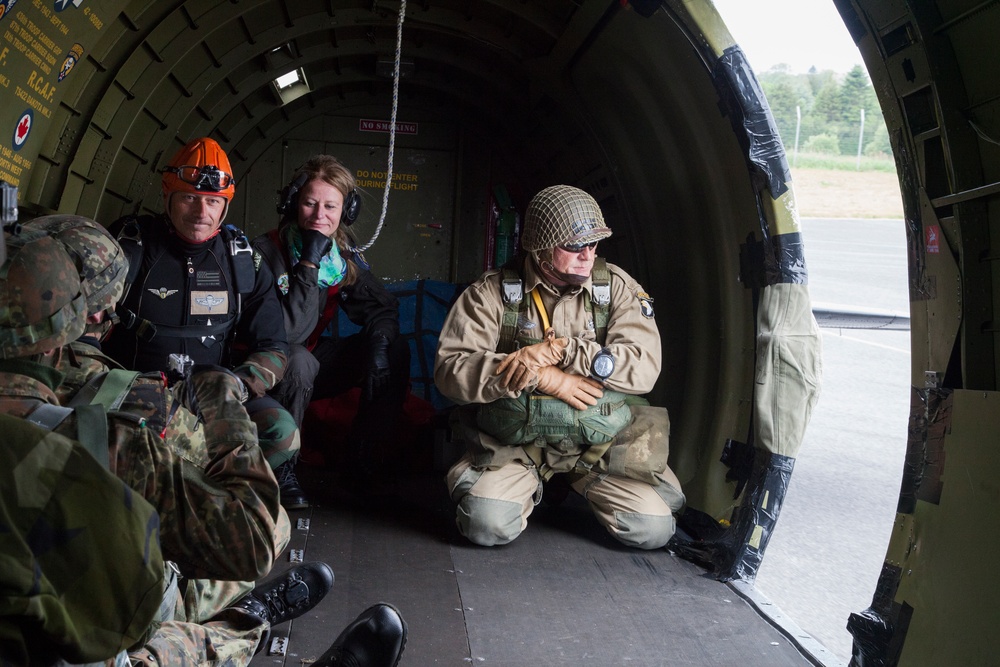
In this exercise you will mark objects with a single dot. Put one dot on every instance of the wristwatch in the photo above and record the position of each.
(603, 365)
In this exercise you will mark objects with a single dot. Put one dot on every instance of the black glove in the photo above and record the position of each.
(378, 365)
(315, 244)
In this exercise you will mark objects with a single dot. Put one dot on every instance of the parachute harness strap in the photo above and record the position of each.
(392, 128)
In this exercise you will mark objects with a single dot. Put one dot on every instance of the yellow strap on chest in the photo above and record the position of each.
(537, 298)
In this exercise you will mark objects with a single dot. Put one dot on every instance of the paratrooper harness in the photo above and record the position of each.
(243, 273)
(103, 393)
(536, 421)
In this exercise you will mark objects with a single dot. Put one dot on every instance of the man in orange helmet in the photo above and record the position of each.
(196, 295)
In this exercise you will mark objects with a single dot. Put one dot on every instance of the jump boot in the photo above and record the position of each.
(288, 595)
(376, 638)
(290, 494)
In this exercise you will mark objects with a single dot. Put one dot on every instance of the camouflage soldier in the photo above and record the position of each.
(220, 525)
(209, 623)
(558, 393)
(70, 533)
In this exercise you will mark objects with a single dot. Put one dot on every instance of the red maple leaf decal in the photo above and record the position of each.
(22, 128)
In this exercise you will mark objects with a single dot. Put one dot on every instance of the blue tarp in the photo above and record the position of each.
(423, 305)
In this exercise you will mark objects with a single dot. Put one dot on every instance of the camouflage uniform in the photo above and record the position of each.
(200, 626)
(70, 534)
(217, 498)
(230, 494)
(71, 531)
(210, 482)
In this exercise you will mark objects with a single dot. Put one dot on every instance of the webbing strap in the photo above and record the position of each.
(583, 465)
(514, 304)
(91, 426)
(537, 456)
(114, 388)
(601, 306)
(92, 431)
(593, 455)
(537, 298)
(49, 416)
(146, 330)
(513, 296)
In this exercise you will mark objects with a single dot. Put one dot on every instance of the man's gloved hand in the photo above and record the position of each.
(377, 376)
(521, 366)
(315, 244)
(576, 390)
(209, 388)
(209, 370)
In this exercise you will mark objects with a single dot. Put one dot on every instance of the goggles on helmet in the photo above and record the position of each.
(209, 177)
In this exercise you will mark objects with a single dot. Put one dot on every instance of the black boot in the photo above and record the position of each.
(291, 494)
(290, 594)
(375, 639)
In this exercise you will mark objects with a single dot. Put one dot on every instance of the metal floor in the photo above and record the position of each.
(563, 593)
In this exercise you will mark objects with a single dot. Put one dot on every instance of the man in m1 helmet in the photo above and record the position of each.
(567, 218)
(548, 357)
(196, 292)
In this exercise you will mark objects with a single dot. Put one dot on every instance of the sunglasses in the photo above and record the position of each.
(577, 247)
(208, 177)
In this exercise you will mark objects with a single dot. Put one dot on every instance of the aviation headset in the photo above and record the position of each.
(289, 200)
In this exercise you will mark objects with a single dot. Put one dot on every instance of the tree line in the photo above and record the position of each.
(830, 106)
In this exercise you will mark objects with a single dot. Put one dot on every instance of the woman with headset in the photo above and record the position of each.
(317, 270)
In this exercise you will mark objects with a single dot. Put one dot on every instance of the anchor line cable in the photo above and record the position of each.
(392, 129)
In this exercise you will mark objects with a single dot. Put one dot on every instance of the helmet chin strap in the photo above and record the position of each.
(568, 278)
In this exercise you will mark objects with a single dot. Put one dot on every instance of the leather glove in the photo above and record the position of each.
(576, 390)
(315, 245)
(521, 366)
(377, 377)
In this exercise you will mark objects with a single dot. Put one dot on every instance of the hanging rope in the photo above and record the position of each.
(392, 128)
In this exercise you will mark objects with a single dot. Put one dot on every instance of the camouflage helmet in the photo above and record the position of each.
(100, 261)
(562, 214)
(42, 305)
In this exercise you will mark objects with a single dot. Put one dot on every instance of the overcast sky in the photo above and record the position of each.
(799, 33)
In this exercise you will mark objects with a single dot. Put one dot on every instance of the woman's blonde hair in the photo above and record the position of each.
(333, 172)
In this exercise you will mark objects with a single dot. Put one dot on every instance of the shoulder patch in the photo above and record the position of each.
(257, 259)
(645, 304)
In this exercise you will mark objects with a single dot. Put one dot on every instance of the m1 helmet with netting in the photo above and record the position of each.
(560, 215)
(99, 259)
(42, 305)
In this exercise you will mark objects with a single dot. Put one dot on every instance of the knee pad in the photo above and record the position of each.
(487, 521)
(643, 531)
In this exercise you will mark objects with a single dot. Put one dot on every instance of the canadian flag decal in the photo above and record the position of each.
(22, 128)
